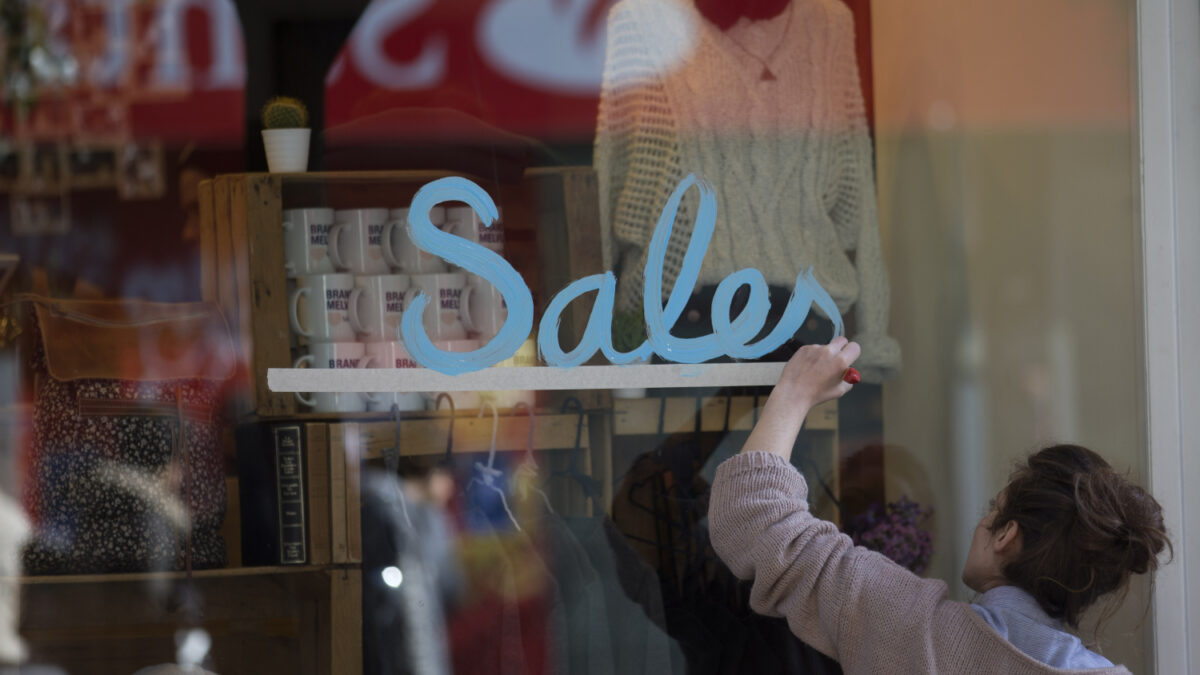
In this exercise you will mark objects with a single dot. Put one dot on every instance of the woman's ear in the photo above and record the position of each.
(1007, 541)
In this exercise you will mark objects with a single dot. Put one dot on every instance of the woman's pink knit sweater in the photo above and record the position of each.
(852, 604)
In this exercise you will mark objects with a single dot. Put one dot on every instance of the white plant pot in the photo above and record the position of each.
(287, 149)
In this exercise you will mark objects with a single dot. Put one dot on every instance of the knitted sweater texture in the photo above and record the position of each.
(790, 159)
(852, 604)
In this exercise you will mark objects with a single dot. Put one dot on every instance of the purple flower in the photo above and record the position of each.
(896, 532)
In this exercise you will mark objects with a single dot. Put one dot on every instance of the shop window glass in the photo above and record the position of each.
(953, 187)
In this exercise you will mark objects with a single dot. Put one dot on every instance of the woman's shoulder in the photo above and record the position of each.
(965, 640)
(942, 634)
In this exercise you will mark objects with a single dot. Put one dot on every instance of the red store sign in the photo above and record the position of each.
(168, 69)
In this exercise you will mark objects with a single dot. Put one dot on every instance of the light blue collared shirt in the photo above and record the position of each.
(1018, 618)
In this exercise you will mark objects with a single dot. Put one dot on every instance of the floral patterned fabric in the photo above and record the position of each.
(109, 486)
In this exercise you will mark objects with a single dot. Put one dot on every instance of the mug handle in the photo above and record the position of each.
(409, 296)
(312, 403)
(355, 319)
(294, 311)
(365, 362)
(335, 255)
(464, 309)
(389, 253)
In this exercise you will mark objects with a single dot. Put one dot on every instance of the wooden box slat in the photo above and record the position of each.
(319, 485)
(274, 620)
(208, 242)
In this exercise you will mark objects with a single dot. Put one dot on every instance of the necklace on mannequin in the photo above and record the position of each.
(767, 75)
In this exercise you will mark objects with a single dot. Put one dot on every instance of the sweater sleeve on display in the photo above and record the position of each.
(636, 157)
(850, 198)
(845, 601)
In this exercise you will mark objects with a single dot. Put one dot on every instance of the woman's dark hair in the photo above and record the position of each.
(1084, 527)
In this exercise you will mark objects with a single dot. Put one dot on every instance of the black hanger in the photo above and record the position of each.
(391, 460)
(659, 492)
(589, 485)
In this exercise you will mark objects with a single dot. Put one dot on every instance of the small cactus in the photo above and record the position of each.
(628, 330)
(282, 112)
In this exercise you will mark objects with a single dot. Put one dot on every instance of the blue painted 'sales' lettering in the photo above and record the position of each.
(731, 334)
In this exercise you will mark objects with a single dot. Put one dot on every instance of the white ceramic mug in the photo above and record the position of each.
(441, 317)
(464, 222)
(483, 310)
(335, 355)
(355, 241)
(376, 306)
(392, 355)
(462, 399)
(402, 254)
(305, 241)
(525, 357)
(319, 307)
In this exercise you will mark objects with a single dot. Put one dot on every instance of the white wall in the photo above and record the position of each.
(1008, 205)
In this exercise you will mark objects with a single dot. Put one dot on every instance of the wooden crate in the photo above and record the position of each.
(261, 620)
(337, 448)
(357, 442)
(551, 227)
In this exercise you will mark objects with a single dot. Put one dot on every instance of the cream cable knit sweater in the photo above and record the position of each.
(852, 604)
(790, 159)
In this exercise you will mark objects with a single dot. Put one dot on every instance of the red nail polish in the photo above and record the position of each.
(851, 375)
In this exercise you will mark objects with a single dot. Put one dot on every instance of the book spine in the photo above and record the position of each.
(290, 492)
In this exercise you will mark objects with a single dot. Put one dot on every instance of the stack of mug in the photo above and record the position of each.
(354, 272)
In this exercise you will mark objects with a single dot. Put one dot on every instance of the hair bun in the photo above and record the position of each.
(1143, 531)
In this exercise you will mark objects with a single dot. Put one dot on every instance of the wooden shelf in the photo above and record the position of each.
(471, 434)
(222, 573)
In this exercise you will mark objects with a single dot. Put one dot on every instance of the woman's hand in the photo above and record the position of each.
(812, 376)
(814, 373)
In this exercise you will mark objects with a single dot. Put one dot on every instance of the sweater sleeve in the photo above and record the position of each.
(637, 159)
(850, 200)
(845, 601)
